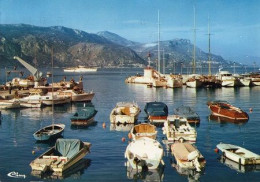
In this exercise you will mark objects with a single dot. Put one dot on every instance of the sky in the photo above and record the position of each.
(234, 24)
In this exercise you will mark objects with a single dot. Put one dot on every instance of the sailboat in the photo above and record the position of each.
(52, 131)
(194, 79)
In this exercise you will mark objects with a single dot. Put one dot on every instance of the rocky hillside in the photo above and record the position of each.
(70, 47)
(73, 47)
(179, 51)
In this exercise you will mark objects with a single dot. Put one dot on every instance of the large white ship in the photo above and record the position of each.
(80, 69)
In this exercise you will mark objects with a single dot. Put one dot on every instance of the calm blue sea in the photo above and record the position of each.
(106, 160)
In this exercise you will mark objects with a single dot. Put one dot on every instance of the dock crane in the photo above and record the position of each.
(37, 75)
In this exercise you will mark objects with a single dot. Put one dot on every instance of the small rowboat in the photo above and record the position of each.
(225, 109)
(50, 132)
(143, 130)
(239, 154)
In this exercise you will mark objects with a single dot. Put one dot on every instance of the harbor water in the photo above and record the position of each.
(106, 161)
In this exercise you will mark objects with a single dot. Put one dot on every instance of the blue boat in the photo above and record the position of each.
(188, 113)
(50, 132)
(84, 116)
(157, 112)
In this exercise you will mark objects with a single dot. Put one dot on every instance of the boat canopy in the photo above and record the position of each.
(156, 109)
(84, 113)
(68, 147)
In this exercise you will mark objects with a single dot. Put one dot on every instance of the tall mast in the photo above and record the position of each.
(209, 48)
(159, 56)
(52, 88)
(194, 45)
(163, 63)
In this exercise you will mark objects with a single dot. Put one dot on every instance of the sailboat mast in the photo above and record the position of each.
(163, 63)
(194, 45)
(159, 56)
(52, 87)
(209, 48)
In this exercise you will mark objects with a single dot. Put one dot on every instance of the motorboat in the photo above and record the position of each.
(61, 157)
(225, 109)
(46, 99)
(49, 132)
(227, 79)
(238, 154)
(84, 116)
(125, 112)
(157, 112)
(77, 95)
(143, 130)
(177, 128)
(188, 156)
(144, 153)
(188, 113)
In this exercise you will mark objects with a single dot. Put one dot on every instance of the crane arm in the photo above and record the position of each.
(37, 74)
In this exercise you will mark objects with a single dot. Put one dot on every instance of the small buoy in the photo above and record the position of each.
(123, 139)
(33, 152)
(104, 125)
(251, 109)
(216, 150)
(129, 135)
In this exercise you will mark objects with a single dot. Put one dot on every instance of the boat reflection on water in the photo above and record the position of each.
(239, 168)
(121, 127)
(226, 120)
(74, 172)
(146, 175)
(83, 126)
(192, 174)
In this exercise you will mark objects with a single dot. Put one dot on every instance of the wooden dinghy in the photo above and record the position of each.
(61, 157)
(143, 130)
(50, 132)
(225, 109)
(187, 156)
(239, 154)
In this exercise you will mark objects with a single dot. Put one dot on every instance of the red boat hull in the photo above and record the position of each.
(227, 111)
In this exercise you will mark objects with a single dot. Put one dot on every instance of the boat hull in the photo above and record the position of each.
(47, 133)
(187, 156)
(144, 152)
(227, 110)
(238, 154)
(125, 113)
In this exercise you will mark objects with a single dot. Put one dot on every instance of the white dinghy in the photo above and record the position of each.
(144, 152)
(238, 154)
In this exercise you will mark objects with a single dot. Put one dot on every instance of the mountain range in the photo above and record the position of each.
(73, 47)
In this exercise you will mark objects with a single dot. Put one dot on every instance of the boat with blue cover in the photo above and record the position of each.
(84, 116)
(188, 113)
(157, 112)
(61, 157)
